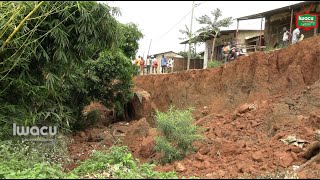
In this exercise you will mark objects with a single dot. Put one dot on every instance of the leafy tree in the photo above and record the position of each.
(44, 76)
(109, 79)
(186, 34)
(131, 36)
(213, 26)
(193, 54)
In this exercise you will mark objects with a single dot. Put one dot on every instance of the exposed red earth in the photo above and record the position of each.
(245, 109)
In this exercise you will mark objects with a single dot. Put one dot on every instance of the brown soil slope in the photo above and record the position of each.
(251, 142)
(284, 86)
(256, 77)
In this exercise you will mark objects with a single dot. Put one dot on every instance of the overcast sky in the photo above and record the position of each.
(160, 20)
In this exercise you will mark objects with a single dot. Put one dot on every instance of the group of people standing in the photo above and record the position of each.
(151, 63)
(166, 65)
(296, 36)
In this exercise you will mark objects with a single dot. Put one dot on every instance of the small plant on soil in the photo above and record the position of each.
(214, 63)
(177, 134)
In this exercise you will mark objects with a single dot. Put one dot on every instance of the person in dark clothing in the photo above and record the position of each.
(163, 64)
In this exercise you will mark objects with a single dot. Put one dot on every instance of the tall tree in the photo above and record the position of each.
(64, 55)
(131, 36)
(186, 33)
(213, 26)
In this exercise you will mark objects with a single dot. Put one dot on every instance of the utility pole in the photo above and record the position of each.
(149, 48)
(190, 35)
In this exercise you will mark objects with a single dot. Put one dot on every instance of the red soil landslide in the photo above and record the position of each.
(284, 86)
(245, 108)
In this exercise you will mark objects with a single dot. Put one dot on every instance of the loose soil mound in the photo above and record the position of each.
(250, 141)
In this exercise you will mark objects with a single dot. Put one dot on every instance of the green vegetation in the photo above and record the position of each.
(213, 25)
(117, 163)
(177, 133)
(130, 35)
(194, 55)
(61, 56)
(214, 63)
(30, 160)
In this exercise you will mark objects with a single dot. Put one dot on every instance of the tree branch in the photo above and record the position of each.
(9, 21)
(20, 25)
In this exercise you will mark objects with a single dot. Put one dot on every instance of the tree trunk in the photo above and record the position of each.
(212, 49)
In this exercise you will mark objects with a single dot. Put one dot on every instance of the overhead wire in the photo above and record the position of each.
(175, 24)
(197, 5)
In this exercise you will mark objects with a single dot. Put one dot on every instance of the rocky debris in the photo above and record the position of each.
(246, 108)
(241, 110)
(142, 95)
(139, 128)
(119, 132)
(124, 124)
(221, 173)
(315, 119)
(106, 115)
(317, 135)
(148, 143)
(257, 156)
(292, 140)
(301, 117)
(179, 167)
(82, 134)
(312, 150)
(199, 157)
(95, 138)
(143, 107)
(205, 111)
(312, 153)
(283, 159)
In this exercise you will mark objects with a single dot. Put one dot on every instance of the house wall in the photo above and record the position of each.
(228, 38)
(167, 55)
(180, 64)
(275, 23)
(242, 35)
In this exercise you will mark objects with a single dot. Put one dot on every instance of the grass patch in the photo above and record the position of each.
(214, 63)
(118, 162)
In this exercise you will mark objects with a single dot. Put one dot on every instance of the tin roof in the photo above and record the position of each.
(279, 10)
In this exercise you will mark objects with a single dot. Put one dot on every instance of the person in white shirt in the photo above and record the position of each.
(148, 64)
(154, 64)
(170, 65)
(295, 35)
(285, 39)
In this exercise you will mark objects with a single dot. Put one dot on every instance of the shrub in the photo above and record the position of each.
(177, 133)
(214, 63)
